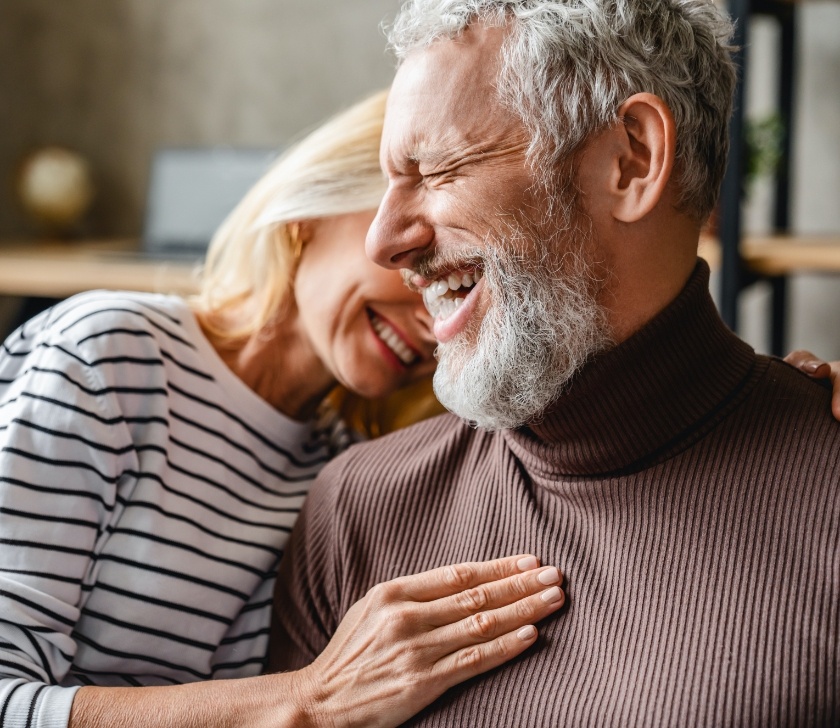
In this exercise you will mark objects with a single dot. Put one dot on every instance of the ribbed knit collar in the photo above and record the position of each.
(650, 396)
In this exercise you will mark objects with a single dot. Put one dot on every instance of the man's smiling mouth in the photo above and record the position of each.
(443, 296)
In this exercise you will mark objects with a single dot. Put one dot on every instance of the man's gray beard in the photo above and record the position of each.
(542, 325)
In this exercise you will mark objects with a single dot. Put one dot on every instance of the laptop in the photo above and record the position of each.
(191, 190)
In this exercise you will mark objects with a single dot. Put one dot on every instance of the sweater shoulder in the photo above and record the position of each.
(89, 315)
(87, 322)
(432, 441)
(408, 466)
(789, 390)
(787, 415)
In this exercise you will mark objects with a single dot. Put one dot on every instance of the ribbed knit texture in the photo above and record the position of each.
(687, 488)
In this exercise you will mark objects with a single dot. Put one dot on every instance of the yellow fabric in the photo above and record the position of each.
(379, 417)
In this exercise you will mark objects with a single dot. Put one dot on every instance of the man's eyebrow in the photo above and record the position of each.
(426, 156)
(441, 159)
(410, 161)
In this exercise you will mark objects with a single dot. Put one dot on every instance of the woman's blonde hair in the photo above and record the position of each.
(333, 170)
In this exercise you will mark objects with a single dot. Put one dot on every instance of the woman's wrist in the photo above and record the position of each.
(298, 700)
(283, 700)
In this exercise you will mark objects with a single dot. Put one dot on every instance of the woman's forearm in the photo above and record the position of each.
(272, 701)
(396, 650)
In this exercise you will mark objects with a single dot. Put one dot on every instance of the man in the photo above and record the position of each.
(550, 165)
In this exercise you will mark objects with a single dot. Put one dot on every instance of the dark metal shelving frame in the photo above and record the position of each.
(734, 275)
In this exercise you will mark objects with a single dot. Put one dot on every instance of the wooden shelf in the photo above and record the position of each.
(61, 269)
(777, 255)
(785, 254)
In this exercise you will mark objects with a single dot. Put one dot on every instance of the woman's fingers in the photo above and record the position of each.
(495, 594)
(817, 368)
(476, 659)
(489, 625)
(487, 639)
(447, 580)
(809, 363)
(478, 610)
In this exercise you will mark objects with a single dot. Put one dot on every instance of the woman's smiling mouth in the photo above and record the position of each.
(393, 340)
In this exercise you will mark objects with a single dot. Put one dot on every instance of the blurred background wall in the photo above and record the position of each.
(114, 79)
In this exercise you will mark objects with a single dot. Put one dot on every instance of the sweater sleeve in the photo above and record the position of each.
(307, 598)
(63, 451)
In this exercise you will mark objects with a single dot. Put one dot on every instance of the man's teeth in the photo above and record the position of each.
(435, 298)
(392, 340)
(437, 289)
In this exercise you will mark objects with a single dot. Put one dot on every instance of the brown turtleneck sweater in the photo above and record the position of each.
(687, 487)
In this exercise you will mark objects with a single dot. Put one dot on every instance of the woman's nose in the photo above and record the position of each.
(399, 232)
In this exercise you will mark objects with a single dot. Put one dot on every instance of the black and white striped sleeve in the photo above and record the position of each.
(63, 451)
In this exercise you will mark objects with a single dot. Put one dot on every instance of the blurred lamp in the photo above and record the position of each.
(55, 187)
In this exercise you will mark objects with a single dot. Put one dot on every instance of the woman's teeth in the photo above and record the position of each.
(392, 340)
(440, 302)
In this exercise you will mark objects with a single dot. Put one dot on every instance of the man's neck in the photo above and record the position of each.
(649, 264)
(660, 386)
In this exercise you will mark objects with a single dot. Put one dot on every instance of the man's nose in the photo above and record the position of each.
(399, 232)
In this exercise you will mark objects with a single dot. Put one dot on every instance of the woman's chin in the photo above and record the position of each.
(369, 389)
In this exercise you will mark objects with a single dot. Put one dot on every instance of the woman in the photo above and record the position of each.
(154, 454)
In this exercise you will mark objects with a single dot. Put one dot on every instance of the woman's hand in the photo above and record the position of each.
(815, 367)
(409, 640)
(395, 651)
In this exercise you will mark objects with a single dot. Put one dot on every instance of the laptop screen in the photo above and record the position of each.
(192, 190)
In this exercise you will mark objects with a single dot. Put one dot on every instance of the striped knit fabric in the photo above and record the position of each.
(146, 495)
(688, 489)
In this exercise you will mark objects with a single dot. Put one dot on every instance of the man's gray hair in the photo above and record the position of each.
(567, 66)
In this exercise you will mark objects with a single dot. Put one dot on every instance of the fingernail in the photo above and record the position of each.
(527, 633)
(812, 366)
(549, 576)
(549, 596)
(526, 563)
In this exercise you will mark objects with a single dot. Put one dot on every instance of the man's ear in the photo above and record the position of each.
(644, 155)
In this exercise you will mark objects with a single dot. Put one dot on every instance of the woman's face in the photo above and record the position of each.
(365, 326)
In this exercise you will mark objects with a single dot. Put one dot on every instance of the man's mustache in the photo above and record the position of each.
(436, 264)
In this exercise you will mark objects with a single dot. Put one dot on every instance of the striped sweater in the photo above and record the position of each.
(146, 494)
(690, 491)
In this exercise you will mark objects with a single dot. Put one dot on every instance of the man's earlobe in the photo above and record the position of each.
(647, 140)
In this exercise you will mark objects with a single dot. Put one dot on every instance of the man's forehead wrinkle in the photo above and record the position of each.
(399, 140)
(433, 140)
(486, 152)
(447, 148)
(405, 151)
(448, 137)
(429, 126)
